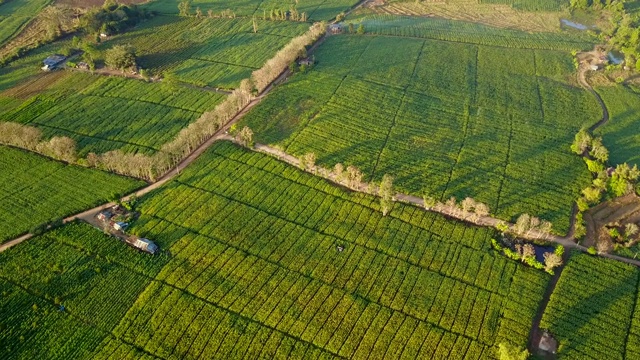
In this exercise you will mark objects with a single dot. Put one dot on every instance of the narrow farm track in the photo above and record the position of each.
(582, 79)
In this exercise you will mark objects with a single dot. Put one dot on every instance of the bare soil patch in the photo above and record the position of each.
(621, 211)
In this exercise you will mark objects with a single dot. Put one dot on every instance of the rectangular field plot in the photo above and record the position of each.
(448, 119)
(103, 113)
(258, 252)
(36, 190)
(250, 267)
(316, 10)
(198, 50)
(621, 134)
(591, 311)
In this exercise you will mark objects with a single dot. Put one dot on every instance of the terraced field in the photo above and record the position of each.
(495, 124)
(250, 266)
(36, 190)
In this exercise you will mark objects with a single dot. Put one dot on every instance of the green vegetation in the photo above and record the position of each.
(104, 114)
(494, 125)
(621, 134)
(37, 190)
(251, 265)
(532, 5)
(315, 10)
(462, 31)
(16, 14)
(592, 310)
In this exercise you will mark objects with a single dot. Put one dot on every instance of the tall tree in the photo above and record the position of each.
(386, 194)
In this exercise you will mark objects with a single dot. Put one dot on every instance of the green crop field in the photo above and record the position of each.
(593, 311)
(104, 114)
(470, 32)
(35, 190)
(250, 267)
(316, 10)
(444, 118)
(531, 5)
(16, 14)
(208, 52)
(621, 134)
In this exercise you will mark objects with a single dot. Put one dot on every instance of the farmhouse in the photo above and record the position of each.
(52, 62)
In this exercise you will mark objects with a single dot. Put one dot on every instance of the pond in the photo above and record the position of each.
(540, 250)
(615, 57)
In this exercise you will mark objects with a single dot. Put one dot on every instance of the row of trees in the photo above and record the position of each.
(30, 138)
(607, 183)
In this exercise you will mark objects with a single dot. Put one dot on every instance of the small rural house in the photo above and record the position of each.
(145, 245)
(53, 62)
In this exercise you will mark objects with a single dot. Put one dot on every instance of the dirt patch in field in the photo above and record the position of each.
(621, 211)
(86, 4)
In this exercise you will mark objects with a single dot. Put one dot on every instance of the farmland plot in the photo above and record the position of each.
(495, 124)
(316, 10)
(621, 135)
(35, 190)
(16, 14)
(104, 114)
(257, 257)
(95, 277)
(208, 52)
(591, 311)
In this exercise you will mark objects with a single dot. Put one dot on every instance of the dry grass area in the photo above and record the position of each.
(503, 16)
(34, 85)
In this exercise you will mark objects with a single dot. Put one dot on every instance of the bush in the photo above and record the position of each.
(592, 250)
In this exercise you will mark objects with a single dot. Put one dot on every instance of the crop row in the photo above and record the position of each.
(36, 190)
(590, 311)
(261, 234)
(469, 32)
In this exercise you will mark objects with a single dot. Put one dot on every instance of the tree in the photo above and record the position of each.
(255, 25)
(59, 147)
(591, 194)
(528, 251)
(184, 7)
(523, 224)
(354, 176)
(428, 201)
(507, 351)
(551, 261)
(55, 19)
(360, 29)
(468, 204)
(598, 150)
(386, 194)
(482, 209)
(581, 142)
(338, 169)
(308, 161)
(351, 28)
(198, 13)
(245, 137)
(210, 13)
(120, 57)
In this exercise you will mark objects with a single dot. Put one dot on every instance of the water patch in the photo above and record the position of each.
(574, 25)
(615, 57)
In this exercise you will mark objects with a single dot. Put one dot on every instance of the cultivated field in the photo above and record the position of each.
(208, 52)
(621, 135)
(527, 15)
(104, 114)
(251, 266)
(495, 124)
(36, 190)
(593, 311)
(16, 14)
(316, 10)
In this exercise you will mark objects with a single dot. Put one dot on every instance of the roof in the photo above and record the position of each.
(54, 60)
